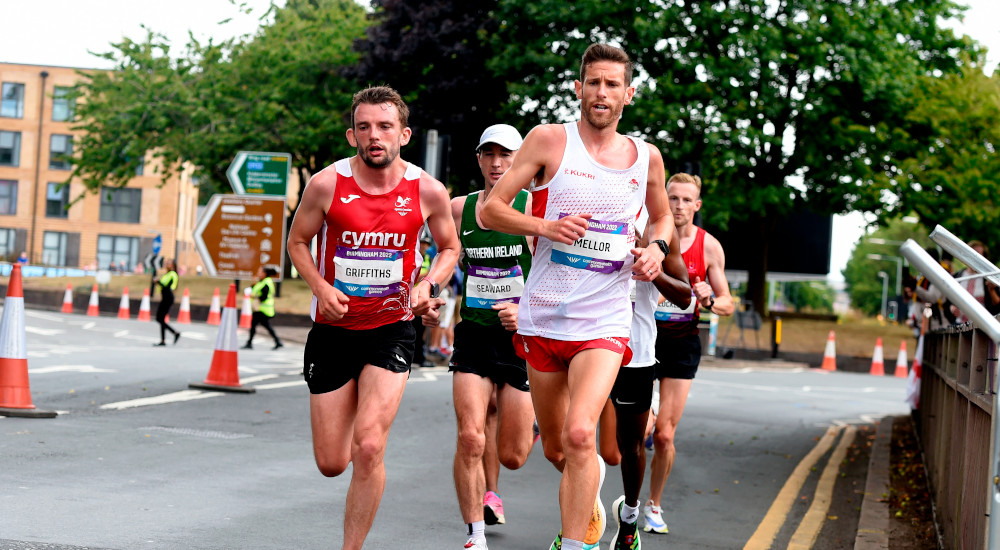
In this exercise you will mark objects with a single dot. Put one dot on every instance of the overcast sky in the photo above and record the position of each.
(61, 32)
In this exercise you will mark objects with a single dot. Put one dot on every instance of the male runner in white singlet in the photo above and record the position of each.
(367, 212)
(588, 184)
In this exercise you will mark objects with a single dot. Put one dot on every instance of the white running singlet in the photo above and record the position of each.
(581, 291)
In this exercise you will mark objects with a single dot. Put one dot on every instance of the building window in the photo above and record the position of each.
(54, 248)
(141, 167)
(7, 244)
(117, 253)
(12, 100)
(120, 205)
(8, 197)
(61, 152)
(63, 106)
(56, 200)
(10, 148)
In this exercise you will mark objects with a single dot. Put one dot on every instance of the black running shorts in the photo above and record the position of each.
(335, 355)
(633, 389)
(488, 351)
(678, 357)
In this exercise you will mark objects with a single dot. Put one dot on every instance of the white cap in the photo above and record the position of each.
(504, 135)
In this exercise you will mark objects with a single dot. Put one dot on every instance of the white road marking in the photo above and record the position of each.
(258, 378)
(176, 397)
(68, 368)
(46, 316)
(120, 333)
(43, 331)
(88, 326)
(277, 385)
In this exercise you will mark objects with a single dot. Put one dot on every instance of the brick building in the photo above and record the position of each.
(115, 226)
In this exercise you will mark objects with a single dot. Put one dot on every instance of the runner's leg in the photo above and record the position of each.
(471, 394)
(379, 394)
(673, 398)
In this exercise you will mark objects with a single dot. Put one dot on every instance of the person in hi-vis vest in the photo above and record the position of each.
(264, 291)
(168, 284)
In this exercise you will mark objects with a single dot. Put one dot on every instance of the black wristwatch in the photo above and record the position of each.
(435, 288)
(663, 246)
(711, 303)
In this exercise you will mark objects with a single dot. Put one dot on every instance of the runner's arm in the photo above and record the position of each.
(435, 202)
(661, 224)
(309, 217)
(673, 282)
(715, 270)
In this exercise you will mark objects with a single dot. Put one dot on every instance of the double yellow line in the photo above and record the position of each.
(808, 530)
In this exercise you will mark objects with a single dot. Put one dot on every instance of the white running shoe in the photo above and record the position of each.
(654, 519)
(475, 544)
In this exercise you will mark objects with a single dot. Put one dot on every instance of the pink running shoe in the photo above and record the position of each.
(493, 509)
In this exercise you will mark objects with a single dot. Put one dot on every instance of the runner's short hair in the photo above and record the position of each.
(681, 177)
(606, 52)
(377, 95)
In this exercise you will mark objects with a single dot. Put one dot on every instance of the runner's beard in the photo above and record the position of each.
(387, 159)
(603, 121)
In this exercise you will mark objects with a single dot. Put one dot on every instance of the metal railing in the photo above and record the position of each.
(958, 401)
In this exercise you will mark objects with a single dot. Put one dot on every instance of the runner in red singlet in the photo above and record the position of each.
(367, 212)
(588, 184)
(678, 348)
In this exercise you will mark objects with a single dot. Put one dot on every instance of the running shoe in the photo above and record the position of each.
(475, 544)
(557, 544)
(627, 537)
(654, 519)
(493, 509)
(595, 530)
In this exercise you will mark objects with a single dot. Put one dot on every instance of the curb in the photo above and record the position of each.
(873, 524)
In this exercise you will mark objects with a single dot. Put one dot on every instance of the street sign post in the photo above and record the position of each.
(157, 243)
(237, 234)
(257, 173)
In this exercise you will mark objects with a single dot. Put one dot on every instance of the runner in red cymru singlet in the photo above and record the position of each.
(367, 212)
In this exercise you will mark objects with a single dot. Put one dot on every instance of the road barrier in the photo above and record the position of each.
(15, 391)
(957, 404)
(224, 374)
(123, 306)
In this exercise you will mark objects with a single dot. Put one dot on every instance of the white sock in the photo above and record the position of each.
(630, 514)
(477, 529)
(570, 544)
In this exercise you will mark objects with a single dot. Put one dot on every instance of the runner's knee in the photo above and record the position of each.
(471, 442)
(332, 466)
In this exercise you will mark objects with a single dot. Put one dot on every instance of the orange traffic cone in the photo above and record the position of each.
(224, 373)
(68, 300)
(144, 306)
(901, 361)
(878, 364)
(246, 315)
(830, 354)
(15, 394)
(123, 306)
(92, 309)
(184, 315)
(214, 311)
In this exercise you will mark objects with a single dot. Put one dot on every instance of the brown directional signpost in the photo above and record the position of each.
(236, 234)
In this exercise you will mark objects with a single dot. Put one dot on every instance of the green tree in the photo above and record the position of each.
(808, 296)
(279, 90)
(864, 286)
(786, 105)
(954, 179)
(434, 53)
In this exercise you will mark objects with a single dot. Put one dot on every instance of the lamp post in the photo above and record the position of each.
(885, 290)
(899, 269)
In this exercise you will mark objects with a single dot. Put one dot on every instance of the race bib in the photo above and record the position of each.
(603, 248)
(368, 271)
(485, 286)
(667, 311)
